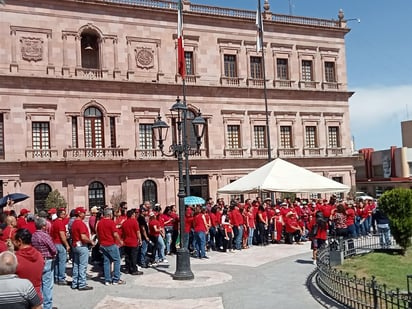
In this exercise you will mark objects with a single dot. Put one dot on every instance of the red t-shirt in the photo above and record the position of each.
(350, 216)
(3, 246)
(154, 223)
(252, 222)
(188, 220)
(21, 222)
(130, 228)
(57, 227)
(79, 228)
(105, 232)
(31, 227)
(199, 223)
(8, 232)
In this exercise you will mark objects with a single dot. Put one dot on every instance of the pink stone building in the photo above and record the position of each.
(82, 82)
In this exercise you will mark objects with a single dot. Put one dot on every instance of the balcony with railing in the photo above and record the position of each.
(95, 153)
(283, 83)
(287, 152)
(147, 154)
(230, 81)
(256, 82)
(334, 151)
(304, 84)
(313, 152)
(41, 154)
(330, 86)
(259, 152)
(235, 152)
(89, 73)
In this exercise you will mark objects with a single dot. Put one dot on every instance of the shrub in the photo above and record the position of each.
(397, 204)
(55, 200)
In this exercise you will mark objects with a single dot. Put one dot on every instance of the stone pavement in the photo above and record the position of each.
(260, 277)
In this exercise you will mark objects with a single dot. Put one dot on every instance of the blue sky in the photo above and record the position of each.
(377, 50)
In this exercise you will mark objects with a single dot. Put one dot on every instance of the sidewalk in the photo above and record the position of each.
(259, 277)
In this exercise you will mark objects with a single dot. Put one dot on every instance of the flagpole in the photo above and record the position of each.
(185, 143)
(261, 47)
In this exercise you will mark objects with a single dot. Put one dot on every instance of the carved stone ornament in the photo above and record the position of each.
(144, 57)
(32, 49)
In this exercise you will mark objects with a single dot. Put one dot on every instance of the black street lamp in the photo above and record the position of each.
(178, 149)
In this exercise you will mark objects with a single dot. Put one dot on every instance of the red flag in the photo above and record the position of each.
(181, 63)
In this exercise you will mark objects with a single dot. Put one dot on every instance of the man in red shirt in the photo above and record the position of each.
(21, 220)
(30, 262)
(154, 232)
(131, 240)
(108, 237)
(58, 235)
(80, 241)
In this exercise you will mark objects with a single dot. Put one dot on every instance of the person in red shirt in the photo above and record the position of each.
(292, 228)
(154, 233)
(59, 236)
(278, 224)
(200, 227)
(131, 240)
(168, 220)
(108, 236)
(9, 231)
(236, 220)
(251, 223)
(22, 219)
(318, 233)
(262, 225)
(80, 241)
(31, 226)
(350, 220)
(30, 262)
(188, 227)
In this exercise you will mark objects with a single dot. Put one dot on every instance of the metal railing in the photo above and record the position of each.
(351, 291)
(229, 12)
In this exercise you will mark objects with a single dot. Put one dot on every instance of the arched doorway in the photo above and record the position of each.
(41, 192)
(96, 195)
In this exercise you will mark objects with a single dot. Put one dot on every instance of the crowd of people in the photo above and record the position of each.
(42, 244)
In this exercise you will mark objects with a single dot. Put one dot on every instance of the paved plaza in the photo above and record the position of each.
(260, 277)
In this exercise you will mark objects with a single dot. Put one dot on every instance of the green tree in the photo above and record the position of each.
(55, 200)
(397, 204)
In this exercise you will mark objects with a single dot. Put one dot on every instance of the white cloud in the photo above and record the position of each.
(376, 114)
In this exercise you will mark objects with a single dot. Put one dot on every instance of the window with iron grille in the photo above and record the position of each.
(75, 139)
(310, 137)
(40, 135)
(256, 67)
(259, 136)
(113, 143)
(285, 137)
(189, 63)
(330, 75)
(145, 136)
(282, 69)
(149, 191)
(230, 65)
(93, 128)
(333, 137)
(233, 136)
(307, 74)
(1, 136)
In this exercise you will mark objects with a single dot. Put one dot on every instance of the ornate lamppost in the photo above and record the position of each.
(179, 148)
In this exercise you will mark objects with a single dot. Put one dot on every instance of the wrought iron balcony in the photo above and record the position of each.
(95, 153)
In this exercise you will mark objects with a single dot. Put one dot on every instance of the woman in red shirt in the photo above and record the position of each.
(262, 225)
(200, 227)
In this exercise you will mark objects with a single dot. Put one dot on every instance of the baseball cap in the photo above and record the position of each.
(24, 211)
(52, 211)
(151, 214)
(80, 210)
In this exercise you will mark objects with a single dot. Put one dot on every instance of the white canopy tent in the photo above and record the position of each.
(282, 176)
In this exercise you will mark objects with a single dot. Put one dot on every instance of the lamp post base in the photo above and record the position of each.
(183, 271)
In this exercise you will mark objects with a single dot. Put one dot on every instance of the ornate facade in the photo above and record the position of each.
(82, 81)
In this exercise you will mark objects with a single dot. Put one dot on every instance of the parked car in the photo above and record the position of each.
(362, 196)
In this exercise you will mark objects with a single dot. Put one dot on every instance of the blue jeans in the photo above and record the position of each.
(80, 261)
(168, 238)
(160, 252)
(111, 254)
(384, 235)
(352, 231)
(238, 238)
(60, 263)
(200, 243)
(141, 260)
(47, 284)
(250, 236)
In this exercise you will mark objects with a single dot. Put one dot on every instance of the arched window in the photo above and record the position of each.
(90, 50)
(41, 192)
(149, 191)
(96, 194)
(93, 130)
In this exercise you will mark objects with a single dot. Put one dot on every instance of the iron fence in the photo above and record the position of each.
(354, 292)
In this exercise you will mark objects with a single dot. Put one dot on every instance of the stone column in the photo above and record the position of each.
(116, 60)
(14, 67)
(65, 68)
(50, 66)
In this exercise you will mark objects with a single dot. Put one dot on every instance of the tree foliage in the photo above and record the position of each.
(55, 200)
(397, 204)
